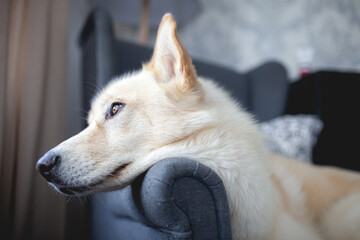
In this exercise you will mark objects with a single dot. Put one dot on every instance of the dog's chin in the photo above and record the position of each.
(110, 183)
(88, 190)
(76, 191)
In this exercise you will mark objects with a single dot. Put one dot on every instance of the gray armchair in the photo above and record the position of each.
(176, 198)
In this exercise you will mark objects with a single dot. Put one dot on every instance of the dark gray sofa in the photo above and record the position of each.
(176, 198)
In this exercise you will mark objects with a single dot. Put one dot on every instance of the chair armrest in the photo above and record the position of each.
(176, 198)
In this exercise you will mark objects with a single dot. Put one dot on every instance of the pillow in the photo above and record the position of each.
(293, 136)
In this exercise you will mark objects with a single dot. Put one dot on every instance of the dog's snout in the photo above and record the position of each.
(46, 164)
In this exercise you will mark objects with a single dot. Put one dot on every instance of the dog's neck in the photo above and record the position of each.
(238, 161)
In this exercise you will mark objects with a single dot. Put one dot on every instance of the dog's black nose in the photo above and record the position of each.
(46, 164)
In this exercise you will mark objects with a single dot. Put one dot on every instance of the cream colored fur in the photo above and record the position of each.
(170, 112)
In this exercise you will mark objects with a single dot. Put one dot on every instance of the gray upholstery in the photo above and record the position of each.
(262, 90)
(176, 198)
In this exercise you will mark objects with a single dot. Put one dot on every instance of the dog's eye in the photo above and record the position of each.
(115, 108)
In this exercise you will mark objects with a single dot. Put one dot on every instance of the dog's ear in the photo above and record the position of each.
(170, 60)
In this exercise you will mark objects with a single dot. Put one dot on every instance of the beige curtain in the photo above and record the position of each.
(33, 81)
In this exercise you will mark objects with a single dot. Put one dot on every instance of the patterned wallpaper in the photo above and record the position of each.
(242, 34)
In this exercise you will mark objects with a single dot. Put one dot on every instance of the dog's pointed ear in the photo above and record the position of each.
(170, 60)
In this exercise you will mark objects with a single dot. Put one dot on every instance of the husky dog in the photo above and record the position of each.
(166, 110)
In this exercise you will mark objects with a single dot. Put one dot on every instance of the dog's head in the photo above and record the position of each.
(131, 118)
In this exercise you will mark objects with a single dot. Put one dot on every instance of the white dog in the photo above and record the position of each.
(165, 110)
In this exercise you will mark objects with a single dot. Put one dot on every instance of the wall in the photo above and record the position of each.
(244, 33)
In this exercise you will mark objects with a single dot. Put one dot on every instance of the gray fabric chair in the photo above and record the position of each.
(176, 198)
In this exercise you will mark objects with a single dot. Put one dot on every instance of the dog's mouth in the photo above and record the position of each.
(81, 190)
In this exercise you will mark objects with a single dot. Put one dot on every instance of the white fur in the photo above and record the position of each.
(343, 220)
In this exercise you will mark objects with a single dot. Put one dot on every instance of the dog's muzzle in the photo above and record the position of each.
(46, 166)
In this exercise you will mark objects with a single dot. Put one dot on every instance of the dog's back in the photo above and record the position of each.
(319, 192)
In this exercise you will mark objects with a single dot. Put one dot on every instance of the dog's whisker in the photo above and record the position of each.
(97, 86)
(69, 199)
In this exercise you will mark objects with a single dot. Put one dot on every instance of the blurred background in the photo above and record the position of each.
(40, 73)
